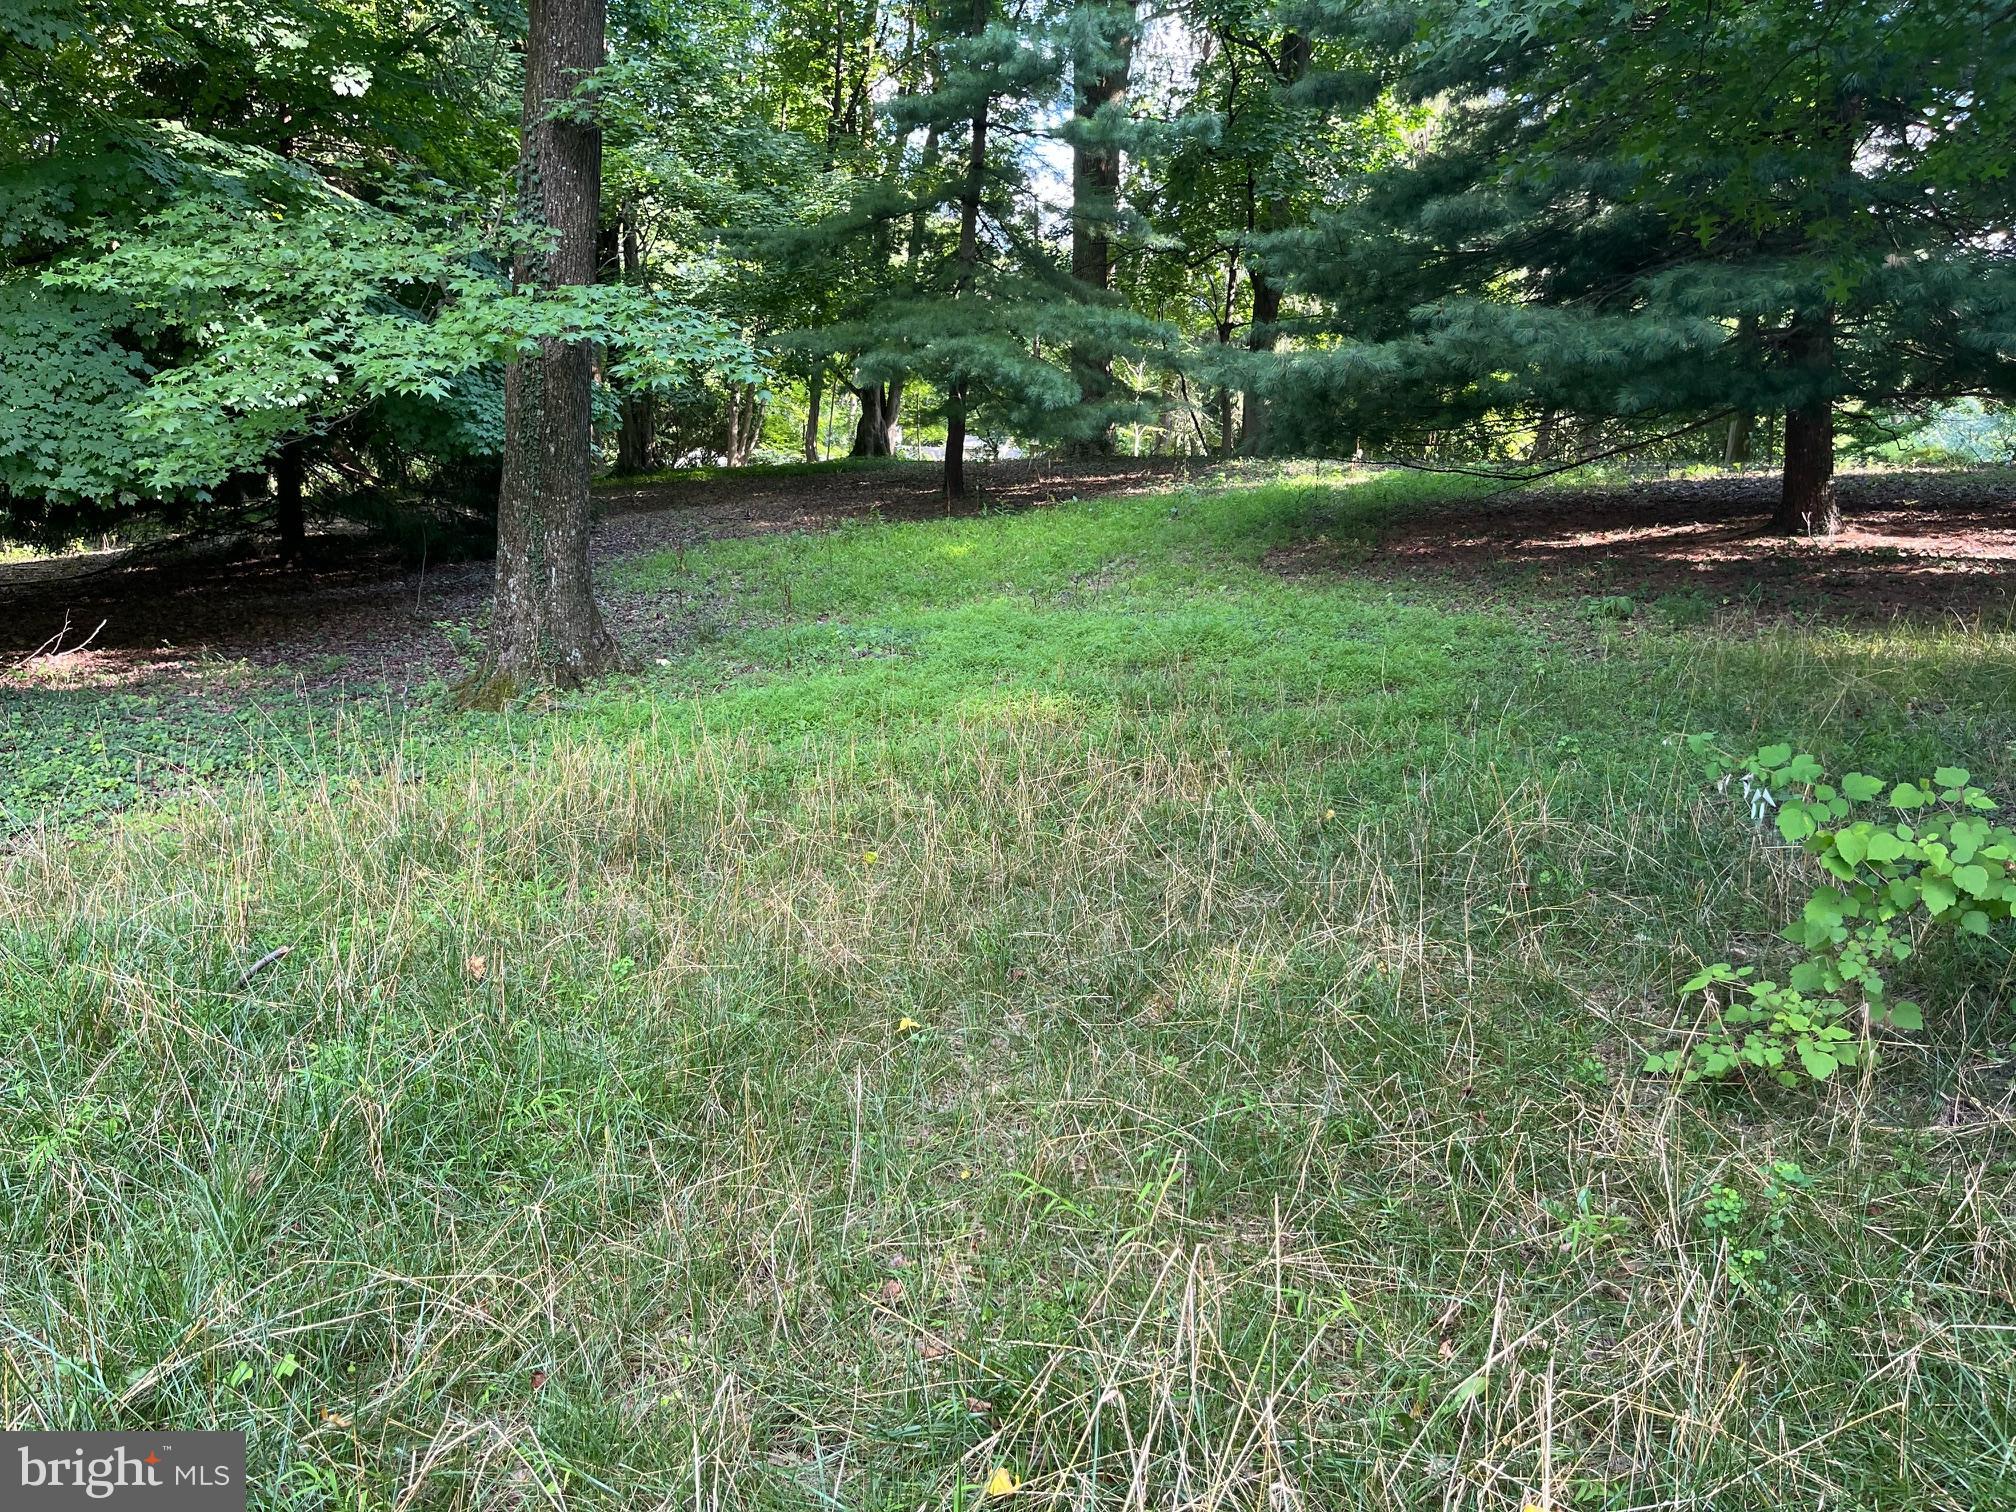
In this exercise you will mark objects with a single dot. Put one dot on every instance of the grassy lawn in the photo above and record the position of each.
(1042, 993)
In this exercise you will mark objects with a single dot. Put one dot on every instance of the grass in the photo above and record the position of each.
(1040, 993)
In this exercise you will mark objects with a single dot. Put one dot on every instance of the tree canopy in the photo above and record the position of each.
(247, 245)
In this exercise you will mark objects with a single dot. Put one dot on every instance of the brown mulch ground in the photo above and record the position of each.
(355, 615)
(1913, 543)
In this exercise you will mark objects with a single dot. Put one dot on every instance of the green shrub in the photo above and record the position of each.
(1924, 859)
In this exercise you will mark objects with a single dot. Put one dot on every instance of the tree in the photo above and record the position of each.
(220, 230)
(1671, 214)
(545, 626)
(1241, 157)
(1101, 56)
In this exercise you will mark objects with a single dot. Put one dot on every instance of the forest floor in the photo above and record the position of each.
(1139, 1003)
(1915, 543)
(354, 614)
(1912, 544)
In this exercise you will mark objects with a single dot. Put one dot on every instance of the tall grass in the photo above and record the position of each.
(1039, 994)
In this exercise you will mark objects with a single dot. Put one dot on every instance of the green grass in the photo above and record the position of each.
(1280, 949)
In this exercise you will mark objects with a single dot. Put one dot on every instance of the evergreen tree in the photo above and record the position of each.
(1101, 40)
(980, 305)
(1243, 155)
(1669, 212)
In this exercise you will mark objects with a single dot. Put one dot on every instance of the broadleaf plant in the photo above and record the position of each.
(1895, 862)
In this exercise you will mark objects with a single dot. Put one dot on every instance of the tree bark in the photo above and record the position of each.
(545, 627)
(969, 269)
(1807, 503)
(1095, 193)
(1261, 334)
(881, 405)
(288, 514)
(1736, 444)
(955, 442)
(637, 438)
(815, 394)
(1546, 436)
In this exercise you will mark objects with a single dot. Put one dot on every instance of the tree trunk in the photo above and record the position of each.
(1546, 436)
(1261, 335)
(880, 406)
(1807, 504)
(955, 442)
(815, 394)
(288, 515)
(545, 627)
(1736, 449)
(1736, 444)
(1095, 193)
(731, 453)
(637, 438)
(969, 269)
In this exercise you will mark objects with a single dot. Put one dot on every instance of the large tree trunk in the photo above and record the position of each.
(1095, 194)
(545, 627)
(288, 514)
(1261, 332)
(1807, 504)
(637, 438)
(881, 406)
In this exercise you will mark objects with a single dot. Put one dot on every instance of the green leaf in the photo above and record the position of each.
(1906, 1016)
(1951, 777)
(1773, 756)
(1818, 1063)
(1972, 879)
(1861, 787)
(1828, 907)
(1908, 795)
(1794, 823)
(1801, 771)
(1974, 922)
(1939, 894)
(1721, 971)
(1851, 845)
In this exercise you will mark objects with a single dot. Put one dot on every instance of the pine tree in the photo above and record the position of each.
(1688, 211)
(1101, 45)
(981, 307)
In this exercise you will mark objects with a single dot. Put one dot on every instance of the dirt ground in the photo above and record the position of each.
(1912, 543)
(355, 615)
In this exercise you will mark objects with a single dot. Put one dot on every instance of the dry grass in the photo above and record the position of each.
(1269, 1135)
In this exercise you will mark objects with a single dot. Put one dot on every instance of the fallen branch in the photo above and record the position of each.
(263, 962)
